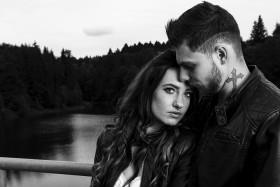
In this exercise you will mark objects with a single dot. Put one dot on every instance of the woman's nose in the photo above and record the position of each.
(178, 102)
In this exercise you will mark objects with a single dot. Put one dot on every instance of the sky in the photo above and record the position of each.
(91, 27)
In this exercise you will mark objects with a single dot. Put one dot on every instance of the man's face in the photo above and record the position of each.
(199, 70)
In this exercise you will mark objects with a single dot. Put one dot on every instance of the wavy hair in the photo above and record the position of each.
(134, 117)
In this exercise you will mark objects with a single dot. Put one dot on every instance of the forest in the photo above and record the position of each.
(33, 79)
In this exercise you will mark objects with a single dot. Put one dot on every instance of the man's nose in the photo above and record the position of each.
(184, 75)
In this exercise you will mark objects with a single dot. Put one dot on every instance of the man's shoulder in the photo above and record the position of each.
(263, 93)
(262, 99)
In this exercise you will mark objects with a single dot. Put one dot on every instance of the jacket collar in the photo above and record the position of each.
(225, 110)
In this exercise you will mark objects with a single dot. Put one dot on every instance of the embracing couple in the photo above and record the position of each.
(196, 115)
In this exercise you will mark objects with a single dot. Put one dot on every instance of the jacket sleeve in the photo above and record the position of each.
(180, 174)
(98, 151)
(97, 158)
(267, 153)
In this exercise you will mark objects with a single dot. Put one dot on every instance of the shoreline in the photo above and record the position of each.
(8, 115)
(85, 107)
(45, 112)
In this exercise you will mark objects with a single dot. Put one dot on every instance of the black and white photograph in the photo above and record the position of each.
(151, 93)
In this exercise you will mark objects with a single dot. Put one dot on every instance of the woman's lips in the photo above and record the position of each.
(175, 114)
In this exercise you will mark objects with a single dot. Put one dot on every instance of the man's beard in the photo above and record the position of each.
(212, 84)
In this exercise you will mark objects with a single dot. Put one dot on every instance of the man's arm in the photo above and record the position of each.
(267, 153)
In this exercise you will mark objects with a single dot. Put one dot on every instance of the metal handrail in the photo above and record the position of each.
(43, 166)
(46, 166)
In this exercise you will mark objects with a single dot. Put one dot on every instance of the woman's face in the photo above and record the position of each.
(171, 99)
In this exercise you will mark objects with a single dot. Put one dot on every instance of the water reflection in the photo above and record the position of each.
(35, 138)
(69, 137)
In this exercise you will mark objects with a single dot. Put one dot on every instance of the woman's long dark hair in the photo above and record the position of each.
(134, 117)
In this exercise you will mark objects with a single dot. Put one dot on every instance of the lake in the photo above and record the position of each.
(64, 137)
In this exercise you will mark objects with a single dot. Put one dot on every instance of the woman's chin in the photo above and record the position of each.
(172, 122)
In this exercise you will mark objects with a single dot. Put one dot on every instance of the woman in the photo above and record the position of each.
(152, 142)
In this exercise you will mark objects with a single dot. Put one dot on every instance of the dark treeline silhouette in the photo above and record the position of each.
(263, 50)
(33, 79)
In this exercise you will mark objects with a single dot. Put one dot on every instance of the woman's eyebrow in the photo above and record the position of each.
(189, 89)
(175, 86)
(170, 84)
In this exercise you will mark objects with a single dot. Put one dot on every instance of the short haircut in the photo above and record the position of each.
(202, 27)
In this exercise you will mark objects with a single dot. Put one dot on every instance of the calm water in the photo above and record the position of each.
(68, 137)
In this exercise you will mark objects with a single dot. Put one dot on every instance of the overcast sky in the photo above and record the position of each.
(91, 27)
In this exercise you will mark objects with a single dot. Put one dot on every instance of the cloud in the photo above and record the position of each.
(98, 31)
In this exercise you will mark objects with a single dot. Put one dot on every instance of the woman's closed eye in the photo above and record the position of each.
(188, 67)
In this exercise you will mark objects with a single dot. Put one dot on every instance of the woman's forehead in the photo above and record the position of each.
(172, 76)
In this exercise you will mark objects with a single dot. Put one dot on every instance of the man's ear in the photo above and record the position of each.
(221, 53)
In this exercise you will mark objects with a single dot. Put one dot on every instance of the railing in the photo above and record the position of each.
(44, 166)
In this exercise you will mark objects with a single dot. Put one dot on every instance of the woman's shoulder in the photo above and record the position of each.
(106, 135)
(104, 140)
(186, 141)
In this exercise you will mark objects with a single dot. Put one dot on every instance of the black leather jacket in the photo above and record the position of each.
(179, 171)
(240, 143)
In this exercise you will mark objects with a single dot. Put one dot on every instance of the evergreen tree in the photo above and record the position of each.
(117, 50)
(110, 52)
(276, 32)
(125, 48)
(259, 32)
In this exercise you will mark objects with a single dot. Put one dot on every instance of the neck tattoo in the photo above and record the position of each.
(234, 79)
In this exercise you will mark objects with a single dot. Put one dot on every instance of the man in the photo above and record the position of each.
(240, 140)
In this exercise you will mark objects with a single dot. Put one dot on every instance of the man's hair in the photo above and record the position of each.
(202, 27)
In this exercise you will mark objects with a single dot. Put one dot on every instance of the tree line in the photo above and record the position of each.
(33, 79)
